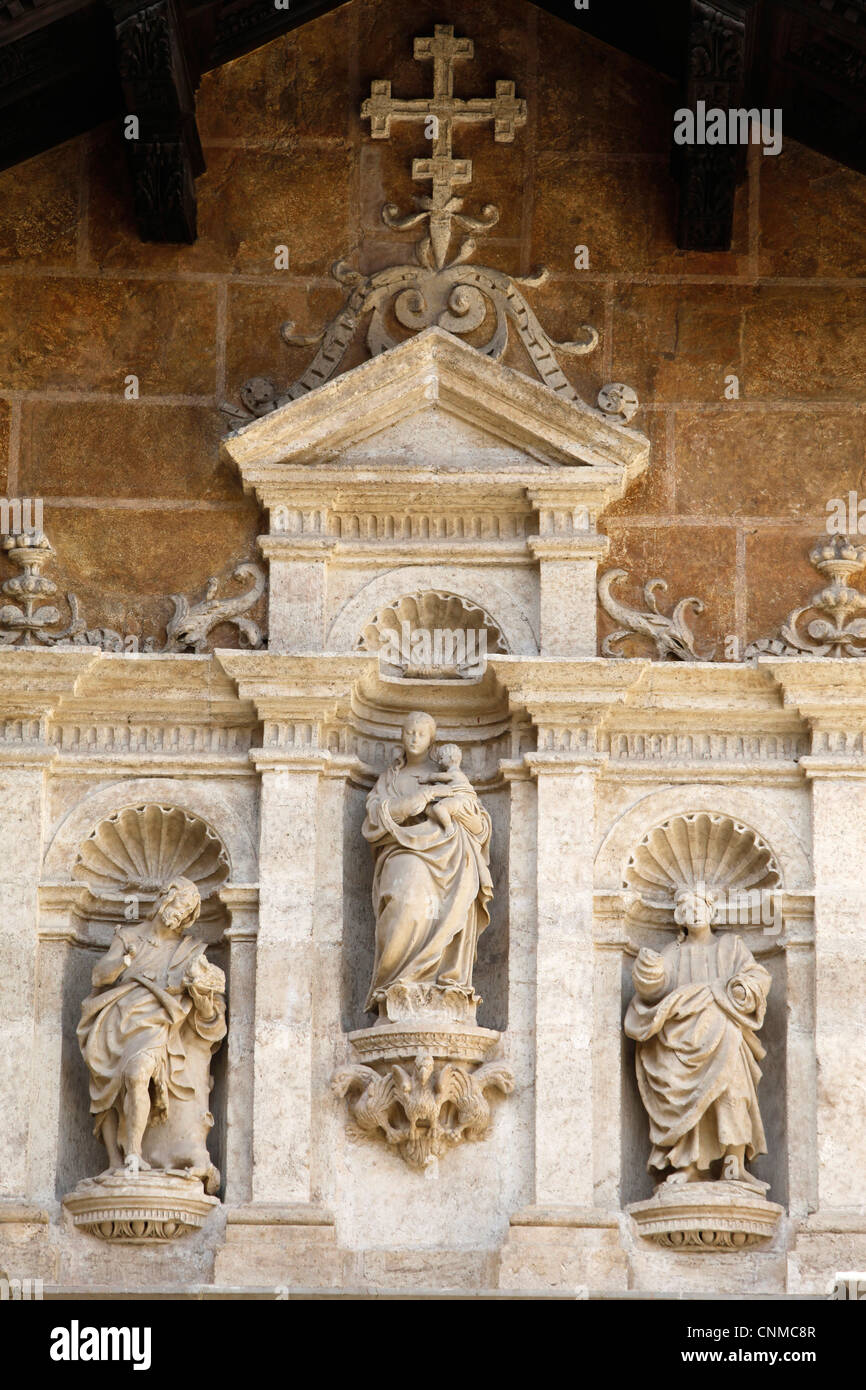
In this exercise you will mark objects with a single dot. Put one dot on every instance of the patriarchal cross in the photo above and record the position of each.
(440, 113)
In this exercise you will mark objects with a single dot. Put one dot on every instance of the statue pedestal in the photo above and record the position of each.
(139, 1208)
(420, 1085)
(712, 1216)
(440, 1038)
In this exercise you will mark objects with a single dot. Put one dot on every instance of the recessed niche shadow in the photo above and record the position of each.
(491, 970)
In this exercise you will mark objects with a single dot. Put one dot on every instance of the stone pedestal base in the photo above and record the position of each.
(26, 1248)
(141, 1208)
(419, 1086)
(828, 1256)
(281, 1249)
(565, 1249)
(714, 1216)
(430, 1004)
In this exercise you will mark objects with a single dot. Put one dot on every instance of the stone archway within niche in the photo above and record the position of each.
(230, 819)
(704, 838)
(136, 852)
(499, 608)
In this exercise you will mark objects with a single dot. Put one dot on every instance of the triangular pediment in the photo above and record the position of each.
(435, 436)
(434, 401)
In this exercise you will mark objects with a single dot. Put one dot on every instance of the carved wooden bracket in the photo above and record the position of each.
(717, 71)
(164, 152)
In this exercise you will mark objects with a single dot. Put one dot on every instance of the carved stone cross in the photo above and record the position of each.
(443, 171)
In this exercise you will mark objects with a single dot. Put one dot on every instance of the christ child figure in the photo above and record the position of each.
(456, 796)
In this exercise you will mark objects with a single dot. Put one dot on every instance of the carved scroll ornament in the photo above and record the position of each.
(670, 634)
(29, 622)
(448, 293)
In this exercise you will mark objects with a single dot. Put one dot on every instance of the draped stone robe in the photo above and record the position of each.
(123, 1020)
(697, 1053)
(430, 888)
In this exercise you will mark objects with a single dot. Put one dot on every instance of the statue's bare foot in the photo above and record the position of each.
(680, 1176)
(135, 1164)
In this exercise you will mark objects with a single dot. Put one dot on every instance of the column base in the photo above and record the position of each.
(284, 1247)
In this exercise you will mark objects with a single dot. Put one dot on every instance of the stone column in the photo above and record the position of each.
(610, 946)
(839, 848)
(568, 549)
(327, 1042)
(22, 793)
(290, 774)
(801, 1077)
(563, 1239)
(243, 904)
(564, 1010)
(280, 1233)
(522, 907)
(59, 929)
(297, 551)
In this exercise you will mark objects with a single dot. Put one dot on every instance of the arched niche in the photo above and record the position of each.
(196, 797)
(478, 589)
(475, 716)
(115, 874)
(736, 845)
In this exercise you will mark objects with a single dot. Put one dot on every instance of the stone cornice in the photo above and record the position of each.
(280, 684)
(436, 370)
(101, 712)
(829, 693)
(590, 546)
(35, 680)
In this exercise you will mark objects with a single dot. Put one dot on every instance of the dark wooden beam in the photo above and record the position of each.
(56, 81)
(718, 71)
(67, 66)
(158, 84)
(815, 70)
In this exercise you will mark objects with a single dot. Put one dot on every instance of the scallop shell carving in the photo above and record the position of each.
(142, 848)
(713, 851)
(432, 611)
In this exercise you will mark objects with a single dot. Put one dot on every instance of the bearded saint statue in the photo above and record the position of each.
(147, 1032)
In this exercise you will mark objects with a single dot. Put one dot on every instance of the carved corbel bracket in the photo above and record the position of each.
(718, 63)
(422, 1085)
(164, 150)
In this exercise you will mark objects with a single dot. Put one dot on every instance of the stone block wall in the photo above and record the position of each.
(138, 503)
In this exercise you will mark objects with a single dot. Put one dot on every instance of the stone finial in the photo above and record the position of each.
(832, 630)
